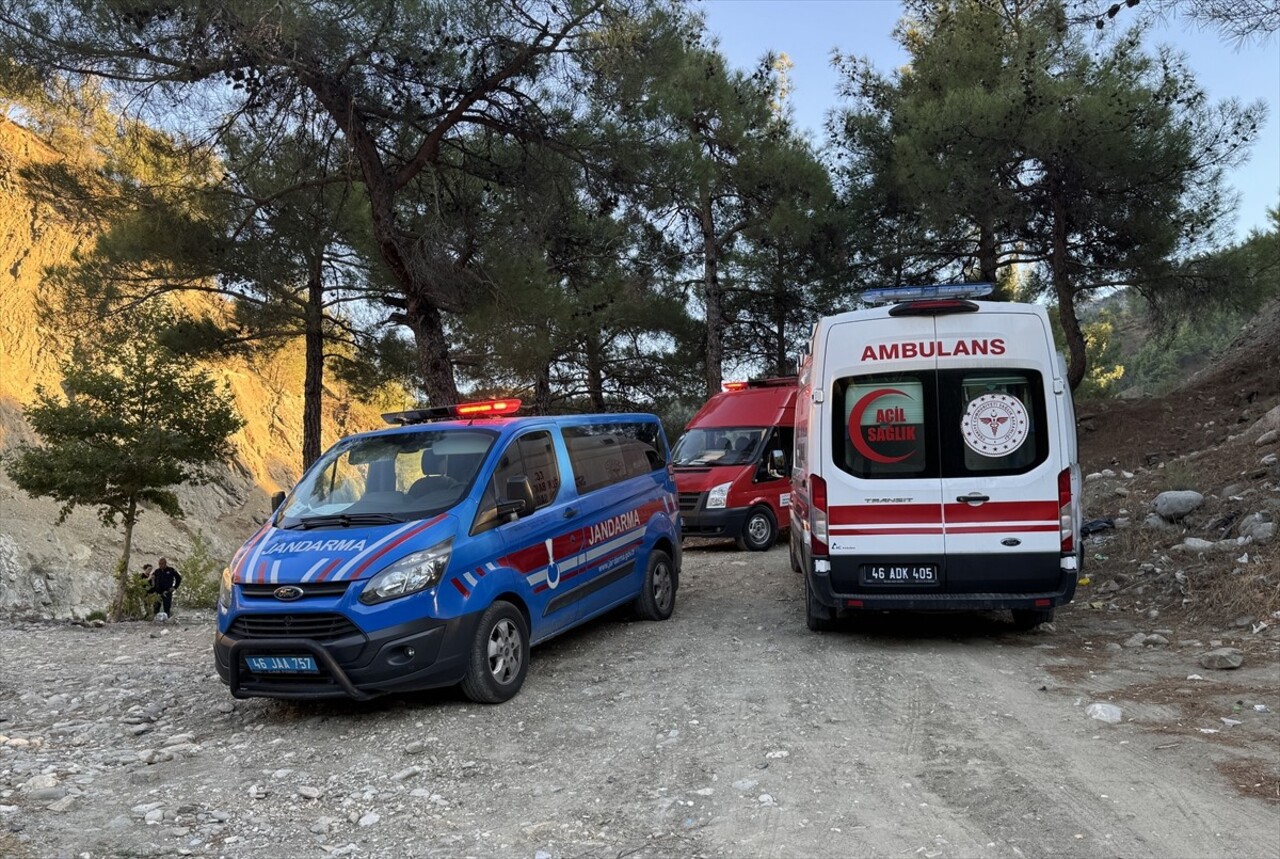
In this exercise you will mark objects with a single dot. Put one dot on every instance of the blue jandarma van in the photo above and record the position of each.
(435, 553)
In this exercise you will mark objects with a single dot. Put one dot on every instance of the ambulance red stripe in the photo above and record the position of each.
(1004, 511)
(462, 589)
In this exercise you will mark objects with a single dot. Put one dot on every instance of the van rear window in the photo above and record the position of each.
(949, 423)
(607, 453)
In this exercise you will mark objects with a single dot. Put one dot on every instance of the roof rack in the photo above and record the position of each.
(478, 409)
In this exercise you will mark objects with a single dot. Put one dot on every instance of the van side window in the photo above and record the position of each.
(882, 426)
(533, 456)
(608, 453)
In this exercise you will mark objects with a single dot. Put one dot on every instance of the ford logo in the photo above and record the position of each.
(288, 593)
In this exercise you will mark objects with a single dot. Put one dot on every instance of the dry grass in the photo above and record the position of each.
(1253, 778)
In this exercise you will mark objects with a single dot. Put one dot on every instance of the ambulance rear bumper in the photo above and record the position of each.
(966, 583)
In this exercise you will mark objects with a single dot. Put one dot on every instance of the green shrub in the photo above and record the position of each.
(137, 602)
(201, 575)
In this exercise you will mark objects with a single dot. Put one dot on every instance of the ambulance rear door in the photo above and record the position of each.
(1000, 450)
(883, 489)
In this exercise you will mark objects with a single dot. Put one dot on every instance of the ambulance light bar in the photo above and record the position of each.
(479, 409)
(735, 386)
(773, 382)
(898, 294)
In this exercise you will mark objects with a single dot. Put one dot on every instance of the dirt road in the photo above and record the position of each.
(729, 730)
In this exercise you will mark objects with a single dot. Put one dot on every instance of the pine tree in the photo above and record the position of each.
(133, 421)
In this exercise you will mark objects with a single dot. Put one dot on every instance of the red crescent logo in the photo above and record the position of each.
(855, 426)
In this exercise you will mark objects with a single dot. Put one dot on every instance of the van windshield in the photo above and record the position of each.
(382, 479)
(719, 446)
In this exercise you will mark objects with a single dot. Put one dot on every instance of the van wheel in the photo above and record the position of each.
(1025, 619)
(759, 531)
(658, 593)
(499, 655)
(817, 616)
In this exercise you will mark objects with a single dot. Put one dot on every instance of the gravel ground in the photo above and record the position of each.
(729, 730)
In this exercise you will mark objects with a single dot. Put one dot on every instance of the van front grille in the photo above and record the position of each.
(309, 589)
(690, 501)
(318, 627)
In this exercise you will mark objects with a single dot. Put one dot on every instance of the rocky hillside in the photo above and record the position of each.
(1185, 493)
(63, 569)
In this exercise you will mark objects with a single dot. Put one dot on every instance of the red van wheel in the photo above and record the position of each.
(759, 531)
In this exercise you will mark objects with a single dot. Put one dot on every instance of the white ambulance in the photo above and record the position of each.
(935, 461)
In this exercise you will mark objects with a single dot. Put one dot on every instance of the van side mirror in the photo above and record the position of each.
(519, 500)
(777, 461)
(276, 500)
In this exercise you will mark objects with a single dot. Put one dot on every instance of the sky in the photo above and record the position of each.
(808, 30)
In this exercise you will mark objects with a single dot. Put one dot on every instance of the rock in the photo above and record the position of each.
(744, 784)
(370, 818)
(1244, 621)
(1154, 640)
(766, 799)
(1223, 658)
(40, 782)
(1258, 527)
(1269, 460)
(309, 792)
(1113, 647)
(1156, 522)
(1268, 437)
(47, 794)
(1177, 503)
(1136, 640)
(1109, 713)
(408, 772)
(541, 854)
(154, 817)
(1195, 544)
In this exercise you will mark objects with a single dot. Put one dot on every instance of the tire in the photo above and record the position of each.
(816, 615)
(499, 655)
(657, 598)
(759, 531)
(1026, 619)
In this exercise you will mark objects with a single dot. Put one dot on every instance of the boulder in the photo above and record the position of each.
(1223, 658)
(1177, 503)
(1268, 437)
(1156, 522)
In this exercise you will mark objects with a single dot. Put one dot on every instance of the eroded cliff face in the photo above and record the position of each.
(65, 569)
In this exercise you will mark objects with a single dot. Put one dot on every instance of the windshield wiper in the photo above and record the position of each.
(346, 520)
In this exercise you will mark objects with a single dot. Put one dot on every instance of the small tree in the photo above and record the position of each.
(135, 420)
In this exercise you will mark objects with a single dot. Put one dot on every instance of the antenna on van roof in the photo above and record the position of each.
(897, 294)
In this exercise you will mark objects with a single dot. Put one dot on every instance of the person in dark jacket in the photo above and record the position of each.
(164, 581)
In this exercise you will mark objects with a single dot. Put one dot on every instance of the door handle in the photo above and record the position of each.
(570, 512)
(973, 498)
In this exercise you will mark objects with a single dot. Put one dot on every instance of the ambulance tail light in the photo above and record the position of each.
(817, 515)
(1066, 517)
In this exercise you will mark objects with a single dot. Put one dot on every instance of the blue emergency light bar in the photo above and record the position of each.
(896, 294)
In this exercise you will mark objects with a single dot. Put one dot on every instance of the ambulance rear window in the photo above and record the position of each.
(946, 423)
(882, 427)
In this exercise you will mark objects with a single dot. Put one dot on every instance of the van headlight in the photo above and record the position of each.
(410, 574)
(718, 495)
(224, 591)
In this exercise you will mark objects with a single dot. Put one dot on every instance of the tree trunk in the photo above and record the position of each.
(713, 298)
(433, 352)
(122, 570)
(780, 343)
(542, 391)
(595, 372)
(313, 371)
(987, 257)
(1066, 300)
